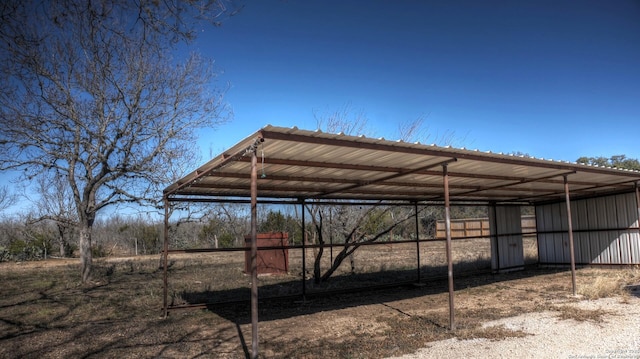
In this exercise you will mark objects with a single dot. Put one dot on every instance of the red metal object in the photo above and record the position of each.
(273, 256)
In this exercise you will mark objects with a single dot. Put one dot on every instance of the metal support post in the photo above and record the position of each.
(304, 255)
(495, 238)
(165, 253)
(638, 205)
(572, 254)
(415, 207)
(638, 202)
(254, 254)
(447, 215)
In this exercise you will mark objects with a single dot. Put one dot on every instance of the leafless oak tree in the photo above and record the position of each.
(7, 199)
(90, 94)
(346, 222)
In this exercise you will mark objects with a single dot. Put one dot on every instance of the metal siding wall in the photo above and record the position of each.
(551, 239)
(634, 235)
(593, 236)
(581, 239)
(512, 223)
(622, 238)
(561, 240)
(543, 239)
(625, 247)
(550, 244)
(622, 221)
(507, 237)
(613, 236)
(599, 226)
(628, 217)
(603, 237)
(634, 239)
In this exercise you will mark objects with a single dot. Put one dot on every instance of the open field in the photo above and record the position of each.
(46, 313)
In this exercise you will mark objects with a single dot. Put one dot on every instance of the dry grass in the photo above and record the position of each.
(46, 313)
(593, 285)
(581, 315)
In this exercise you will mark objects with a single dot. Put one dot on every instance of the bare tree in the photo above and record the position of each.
(343, 120)
(90, 95)
(236, 218)
(418, 130)
(352, 227)
(55, 203)
(347, 222)
(7, 199)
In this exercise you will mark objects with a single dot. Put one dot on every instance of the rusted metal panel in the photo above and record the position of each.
(272, 256)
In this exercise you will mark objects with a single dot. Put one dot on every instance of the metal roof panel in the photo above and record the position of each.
(311, 164)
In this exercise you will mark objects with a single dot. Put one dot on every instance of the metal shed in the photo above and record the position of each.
(301, 165)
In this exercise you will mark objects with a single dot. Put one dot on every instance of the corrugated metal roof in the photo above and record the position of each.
(300, 164)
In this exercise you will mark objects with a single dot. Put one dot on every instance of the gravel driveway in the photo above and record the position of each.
(549, 336)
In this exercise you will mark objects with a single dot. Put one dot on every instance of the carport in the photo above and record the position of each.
(290, 165)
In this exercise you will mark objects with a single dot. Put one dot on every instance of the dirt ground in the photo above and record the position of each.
(46, 313)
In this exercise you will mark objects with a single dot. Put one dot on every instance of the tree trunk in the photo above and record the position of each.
(86, 258)
(317, 272)
(352, 260)
(63, 249)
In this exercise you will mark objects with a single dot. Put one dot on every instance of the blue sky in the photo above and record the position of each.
(553, 79)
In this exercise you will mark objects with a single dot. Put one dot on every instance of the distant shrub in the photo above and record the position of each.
(4, 254)
(226, 240)
(37, 247)
(98, 251)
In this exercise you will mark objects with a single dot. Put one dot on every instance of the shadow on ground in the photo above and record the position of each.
(334, 296)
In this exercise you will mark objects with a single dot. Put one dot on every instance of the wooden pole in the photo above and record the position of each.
(569, 222)
(447, 216)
